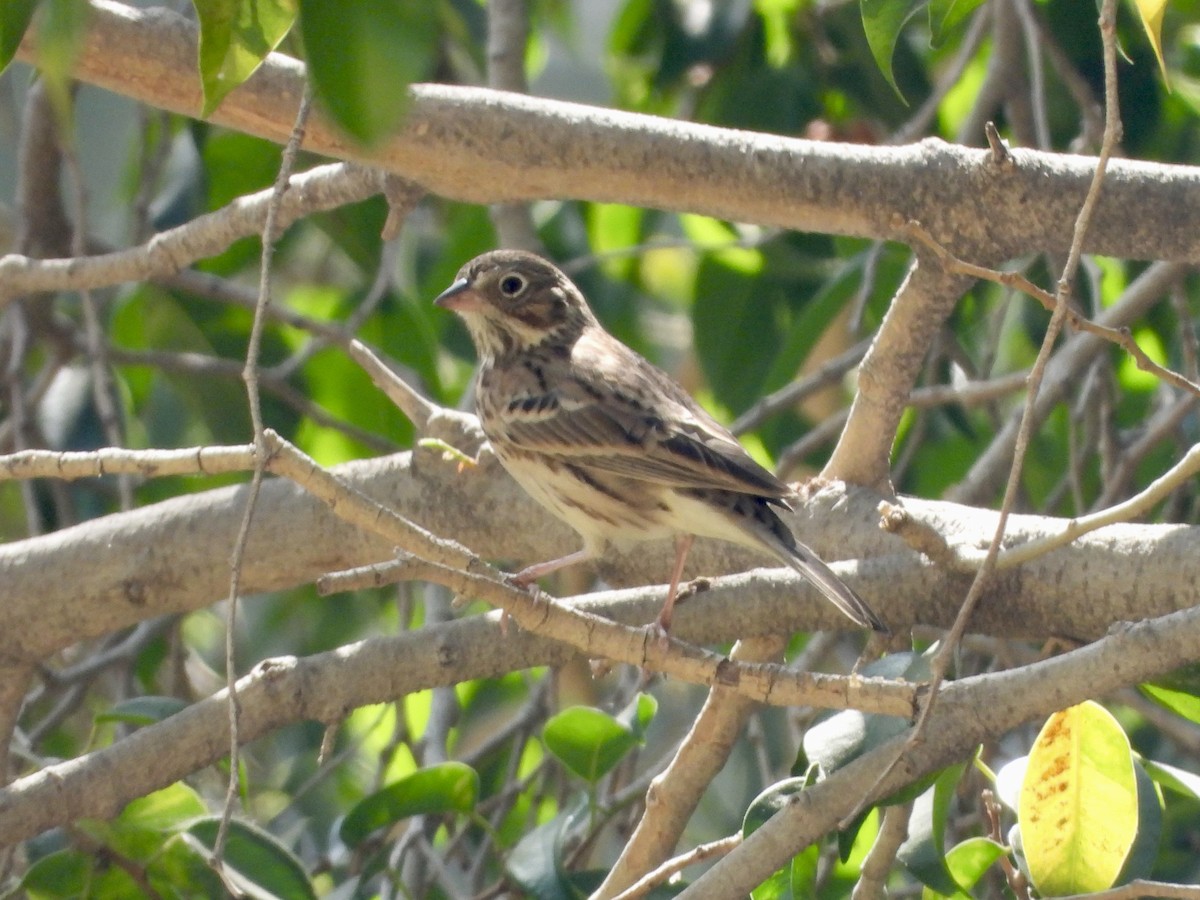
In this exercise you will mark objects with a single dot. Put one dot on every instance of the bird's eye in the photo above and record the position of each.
(512, 284)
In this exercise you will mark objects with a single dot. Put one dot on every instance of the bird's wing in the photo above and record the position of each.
(619, 414)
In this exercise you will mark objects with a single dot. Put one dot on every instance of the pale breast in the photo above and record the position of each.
(602, 508)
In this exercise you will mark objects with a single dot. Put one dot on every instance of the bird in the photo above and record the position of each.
(608, 442)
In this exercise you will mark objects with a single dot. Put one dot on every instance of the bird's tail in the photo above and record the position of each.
(773, 535)
(840, 594)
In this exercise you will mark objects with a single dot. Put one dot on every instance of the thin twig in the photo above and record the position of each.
(1162, 425)
(1119, 336)
(253, 349)
(410, 402)
(973, 393)
(103, 393)
(661, 875)
(26, 464)
(829, 372)
(946, 653)
(1179, 474)
(360, 578)
(321, 188)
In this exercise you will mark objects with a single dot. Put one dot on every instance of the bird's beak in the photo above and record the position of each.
(460, 297)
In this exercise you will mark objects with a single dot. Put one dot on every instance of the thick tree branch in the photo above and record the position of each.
(325, 688)
(486, 146)
(112, 572)
(888, 373)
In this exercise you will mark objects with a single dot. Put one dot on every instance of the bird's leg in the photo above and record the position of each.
(530, 574)
(682, 545)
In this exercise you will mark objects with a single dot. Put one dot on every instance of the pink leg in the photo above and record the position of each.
(682, 545)
(530, 574)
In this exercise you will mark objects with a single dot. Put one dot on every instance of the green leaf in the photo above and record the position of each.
(1078, 809)
(142, 710)
(182, 870)
(612, 229)
(802, 877)
(449, 787)
(64, 874)
(14, 21)
(1182, 703)
(847, 735)
(148, 823)
(1179, 780)
(773, 799)
(811, 323)
(256, 862)
(536, 863)
(363, 56)
(164, 810)
(731, 311)
(60, 35)
(112, 883)
(1144, 852)
(798, 878)
(969, 860)
(883, 20)
(924, 851)
(638, 715)
(235, 37)
(777, 16)
(588, 741)
(946, 15)
(856, 838)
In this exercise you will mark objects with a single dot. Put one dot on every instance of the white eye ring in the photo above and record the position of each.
(512, 284)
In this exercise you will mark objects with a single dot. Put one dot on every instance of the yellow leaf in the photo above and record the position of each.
(1151, 12)
(1078, 808)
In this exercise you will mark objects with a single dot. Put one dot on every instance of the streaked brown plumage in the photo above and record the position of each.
(605, 440)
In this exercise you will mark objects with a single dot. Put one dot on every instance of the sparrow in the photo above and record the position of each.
(605, 440)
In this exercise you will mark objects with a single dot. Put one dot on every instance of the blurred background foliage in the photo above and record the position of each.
(735, 311)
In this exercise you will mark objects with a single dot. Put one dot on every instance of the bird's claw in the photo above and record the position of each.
(450, 453)
(659, 632)
(522, 584)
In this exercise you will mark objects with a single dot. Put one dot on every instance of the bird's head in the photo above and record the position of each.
(511, 301)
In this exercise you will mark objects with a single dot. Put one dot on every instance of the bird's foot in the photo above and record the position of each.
(658, 637)
(450, 453)
(659, 631)
(526, 581)
(520, 581)
(660, 628)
